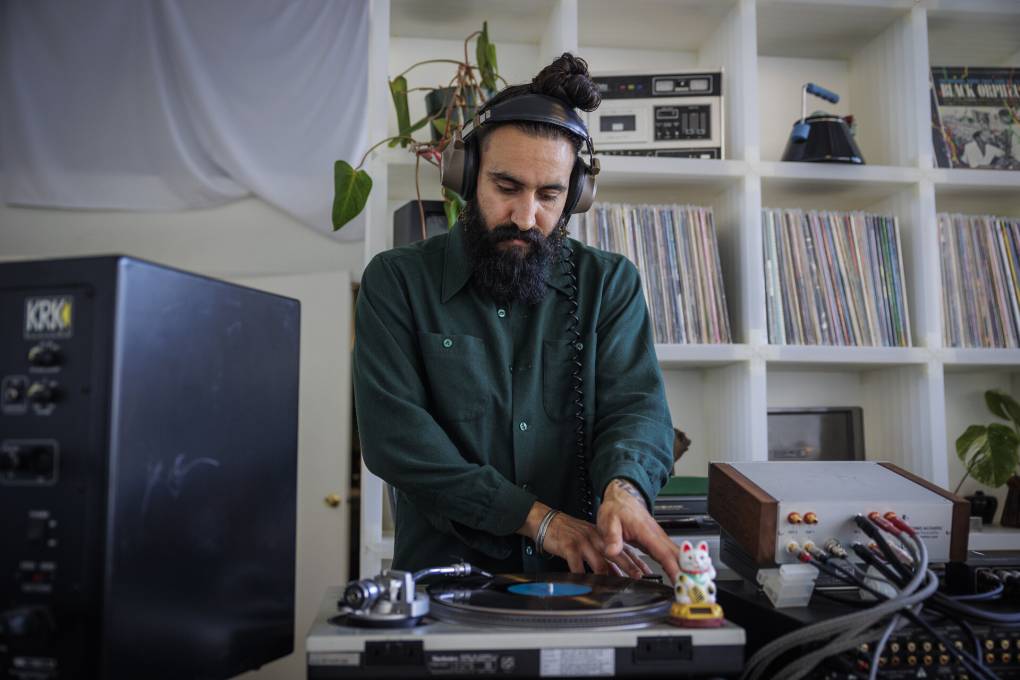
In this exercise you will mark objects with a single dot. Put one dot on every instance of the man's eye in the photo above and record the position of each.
(549, 197)
(507, 190)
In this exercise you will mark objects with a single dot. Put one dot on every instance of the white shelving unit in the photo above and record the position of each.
(876, 54)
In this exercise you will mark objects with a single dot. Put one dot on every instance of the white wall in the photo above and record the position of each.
(245, 237)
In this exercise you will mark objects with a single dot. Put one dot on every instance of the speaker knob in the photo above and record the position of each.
(42, 393)
(34, 623)
(44, 354)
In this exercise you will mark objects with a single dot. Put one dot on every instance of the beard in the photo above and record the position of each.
(509, 273)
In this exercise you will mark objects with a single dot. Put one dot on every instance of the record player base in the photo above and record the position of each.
(439, 649)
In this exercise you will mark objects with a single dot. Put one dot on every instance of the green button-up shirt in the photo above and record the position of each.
(465, 405)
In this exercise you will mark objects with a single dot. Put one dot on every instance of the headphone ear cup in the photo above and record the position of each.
(471, 165)
(454, 159)
(582, 188)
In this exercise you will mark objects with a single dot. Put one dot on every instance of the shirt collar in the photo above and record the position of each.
(457, 269)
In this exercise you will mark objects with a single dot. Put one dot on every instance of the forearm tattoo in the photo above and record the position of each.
(624, 485)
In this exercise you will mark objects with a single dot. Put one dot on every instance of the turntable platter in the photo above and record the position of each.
(554, 600)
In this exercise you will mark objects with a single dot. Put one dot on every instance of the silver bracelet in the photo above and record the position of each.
(543, 527)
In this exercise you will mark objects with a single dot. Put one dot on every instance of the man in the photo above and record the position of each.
(466, 381)
(981, 152)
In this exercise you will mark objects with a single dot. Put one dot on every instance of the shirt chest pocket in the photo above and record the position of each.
(457, 378)
(559, 377)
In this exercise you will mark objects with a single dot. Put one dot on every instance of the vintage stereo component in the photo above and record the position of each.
(772, 509)
(407, 227)
(525, 625)
(669, 113)
(148, 450)
(816, 433)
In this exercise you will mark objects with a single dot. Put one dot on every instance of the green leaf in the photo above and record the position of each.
(491, 59)
(997, 467)
(414, 128)
(1003, 405)
(453, 204)
(481, 51)
(351, 189)
(974, 437)
(398, 90)
(440, 125)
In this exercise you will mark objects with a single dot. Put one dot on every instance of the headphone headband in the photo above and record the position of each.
(537, 108)
(461, 156)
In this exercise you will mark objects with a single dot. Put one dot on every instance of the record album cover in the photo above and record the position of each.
(976, 117)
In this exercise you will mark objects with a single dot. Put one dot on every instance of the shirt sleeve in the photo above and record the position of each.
(633, 432)
(400, 440)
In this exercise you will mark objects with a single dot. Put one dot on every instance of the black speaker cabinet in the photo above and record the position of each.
(148, 458)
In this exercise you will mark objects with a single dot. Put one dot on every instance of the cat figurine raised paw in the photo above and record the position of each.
(695, 605)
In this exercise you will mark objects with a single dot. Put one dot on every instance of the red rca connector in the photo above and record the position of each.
(810, 518)
(900, 524)
(884, 525)
(794, 518)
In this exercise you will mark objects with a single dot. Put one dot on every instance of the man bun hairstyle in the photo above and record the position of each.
(567, 79)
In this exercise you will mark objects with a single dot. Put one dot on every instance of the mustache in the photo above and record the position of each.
(509, 232)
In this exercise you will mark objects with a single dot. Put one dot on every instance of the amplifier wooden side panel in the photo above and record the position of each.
(960, 529)
(744, 511)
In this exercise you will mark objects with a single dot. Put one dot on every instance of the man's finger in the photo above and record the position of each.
(575, 563)
(657, 544)
(597, 563)
(625, 562)
(612, 534)
(635, 555)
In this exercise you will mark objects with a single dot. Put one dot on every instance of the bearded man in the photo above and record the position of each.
(505, 376)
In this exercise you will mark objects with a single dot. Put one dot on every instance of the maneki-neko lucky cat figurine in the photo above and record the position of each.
(695, 605)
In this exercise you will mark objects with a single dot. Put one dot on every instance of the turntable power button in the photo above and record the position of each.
(529, 550)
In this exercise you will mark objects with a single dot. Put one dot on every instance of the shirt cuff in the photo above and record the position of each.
(509, 510)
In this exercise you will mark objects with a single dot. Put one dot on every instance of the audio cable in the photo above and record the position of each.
(577, 380)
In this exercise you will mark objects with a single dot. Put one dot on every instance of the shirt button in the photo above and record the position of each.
(447, 343)
(501, 313)
(529, 550)
(524, 426)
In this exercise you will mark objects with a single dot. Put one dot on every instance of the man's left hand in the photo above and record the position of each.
(624, 518)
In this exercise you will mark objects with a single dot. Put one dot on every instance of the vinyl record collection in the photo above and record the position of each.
(980, 280)
(834, 278)
(675, 249)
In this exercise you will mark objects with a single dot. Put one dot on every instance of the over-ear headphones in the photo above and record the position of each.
(462, 156)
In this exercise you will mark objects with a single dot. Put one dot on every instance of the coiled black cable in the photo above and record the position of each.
(577, 381)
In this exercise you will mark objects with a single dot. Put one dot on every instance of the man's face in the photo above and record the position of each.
(511, 223)
(523, 182)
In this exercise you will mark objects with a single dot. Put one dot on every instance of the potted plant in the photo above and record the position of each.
(991, 453)
(448, 107)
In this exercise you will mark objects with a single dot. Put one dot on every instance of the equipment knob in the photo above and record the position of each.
(28, 622)
(361, 594)
(44, 354)
(42, 393)
(9, 458)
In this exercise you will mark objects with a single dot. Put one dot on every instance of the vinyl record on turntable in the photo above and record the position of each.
(553, 600)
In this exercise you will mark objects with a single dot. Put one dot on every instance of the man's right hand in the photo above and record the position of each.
(579, 543)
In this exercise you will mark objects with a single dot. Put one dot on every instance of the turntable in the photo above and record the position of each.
(513, 625)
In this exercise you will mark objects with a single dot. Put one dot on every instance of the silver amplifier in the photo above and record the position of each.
(672, 113)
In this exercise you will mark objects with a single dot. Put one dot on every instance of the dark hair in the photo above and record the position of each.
(567, 79)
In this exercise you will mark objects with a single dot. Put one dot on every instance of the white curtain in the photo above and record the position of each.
(177, 104)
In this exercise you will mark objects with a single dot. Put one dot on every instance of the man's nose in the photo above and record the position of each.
(525, 212)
